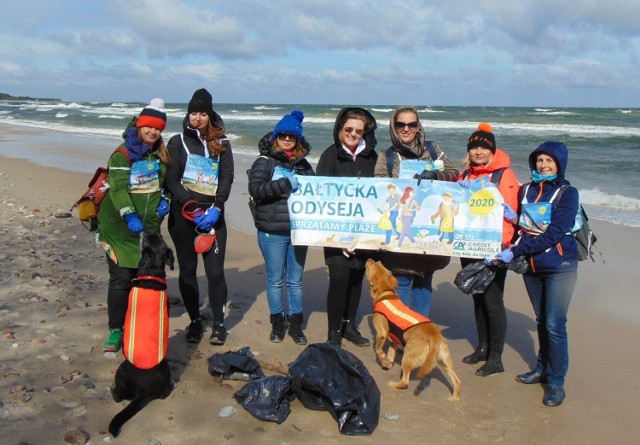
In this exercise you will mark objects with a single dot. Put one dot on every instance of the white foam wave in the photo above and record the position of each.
(383, 110)
(61, 115)
(265, 107)
(111, 116)
(599, 198)
(429, 110)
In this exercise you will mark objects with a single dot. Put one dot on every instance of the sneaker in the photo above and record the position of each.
(114, 341)
(219, 334)
(194, 331)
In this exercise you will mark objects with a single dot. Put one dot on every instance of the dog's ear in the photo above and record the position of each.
(169, 258)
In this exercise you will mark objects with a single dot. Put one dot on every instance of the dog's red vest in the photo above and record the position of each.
(146, 327)
(400, 318)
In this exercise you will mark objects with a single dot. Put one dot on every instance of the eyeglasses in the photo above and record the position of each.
(285, 136)
(350, 130)
(401, 125)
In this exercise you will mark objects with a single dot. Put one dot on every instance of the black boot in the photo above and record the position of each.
(335, 338)
(480, 354)
(493, 365)
(349, 332)
(277, 327)
(295, 329)
(194, 331)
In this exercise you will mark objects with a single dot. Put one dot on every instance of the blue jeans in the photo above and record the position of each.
(393, 217)
(550, 295)
(415, 292)
(283, 261)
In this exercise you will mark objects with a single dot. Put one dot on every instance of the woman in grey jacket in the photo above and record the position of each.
(272, 178)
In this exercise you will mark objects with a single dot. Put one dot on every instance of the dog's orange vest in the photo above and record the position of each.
(400, 318)
(146, 327)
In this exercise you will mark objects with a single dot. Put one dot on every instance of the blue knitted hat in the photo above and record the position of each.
(290, 123)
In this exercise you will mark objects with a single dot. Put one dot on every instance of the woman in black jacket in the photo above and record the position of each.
(353, 154)
(199, 179)
(272, 178)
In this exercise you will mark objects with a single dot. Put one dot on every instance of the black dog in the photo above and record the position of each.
(148, 381)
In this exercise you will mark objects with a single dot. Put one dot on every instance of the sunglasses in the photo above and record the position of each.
(285, 136)
(350, 130)
(400, 125)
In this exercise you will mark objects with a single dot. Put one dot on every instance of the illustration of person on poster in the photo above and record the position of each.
(409, 208)
(390, 209)
(447, 211)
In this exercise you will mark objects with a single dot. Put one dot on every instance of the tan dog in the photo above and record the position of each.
(424, 345)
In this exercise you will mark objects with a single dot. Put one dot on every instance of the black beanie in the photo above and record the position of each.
(201, 102)
(483, 137)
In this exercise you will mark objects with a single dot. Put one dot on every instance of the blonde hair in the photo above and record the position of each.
(160, 148)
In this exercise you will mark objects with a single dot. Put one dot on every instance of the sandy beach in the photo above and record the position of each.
(55, 377)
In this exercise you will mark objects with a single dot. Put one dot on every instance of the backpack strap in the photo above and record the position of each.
(432, 150)
(389, 154)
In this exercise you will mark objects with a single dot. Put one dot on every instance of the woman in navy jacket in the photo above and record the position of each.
(548, 210)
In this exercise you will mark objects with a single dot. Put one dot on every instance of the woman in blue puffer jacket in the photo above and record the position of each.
(548, 209)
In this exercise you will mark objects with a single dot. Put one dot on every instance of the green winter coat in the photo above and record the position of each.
(122, 245)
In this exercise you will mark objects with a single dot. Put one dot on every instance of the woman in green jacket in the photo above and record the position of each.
(134, 202)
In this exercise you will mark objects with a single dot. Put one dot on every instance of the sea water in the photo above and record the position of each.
(604, 143)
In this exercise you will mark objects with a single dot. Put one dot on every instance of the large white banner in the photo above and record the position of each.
(436, 217)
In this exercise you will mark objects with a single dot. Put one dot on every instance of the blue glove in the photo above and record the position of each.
(208, 219)
(488, 260)
(294, 183)
(133, 223)
(509, 213)
(464, 184)
(163, 208)
(426, 175)
(505, 256)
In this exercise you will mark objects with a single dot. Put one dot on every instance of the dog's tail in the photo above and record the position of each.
(127, 413)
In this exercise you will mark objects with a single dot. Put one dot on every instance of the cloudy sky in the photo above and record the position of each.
(437, 52)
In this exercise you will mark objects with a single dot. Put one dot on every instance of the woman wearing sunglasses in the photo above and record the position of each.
(272, 178)
(353, 154)
(414, 272)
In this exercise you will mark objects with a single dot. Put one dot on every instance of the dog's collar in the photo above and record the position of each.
(385, 293)
(150, 277)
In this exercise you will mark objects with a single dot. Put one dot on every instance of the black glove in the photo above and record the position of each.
(426, 174)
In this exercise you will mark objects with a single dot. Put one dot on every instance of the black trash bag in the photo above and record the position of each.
(267, 398)
(235, 365)
(474, 278)
(328, 378)
(519, 264)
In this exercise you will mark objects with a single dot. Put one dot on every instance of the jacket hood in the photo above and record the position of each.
(369, 129)
(265, 147)
(557, 150)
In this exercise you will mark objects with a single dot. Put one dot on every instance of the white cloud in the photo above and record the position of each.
(451, 51)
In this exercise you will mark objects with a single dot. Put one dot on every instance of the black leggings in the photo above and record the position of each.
(343, 296)
(490, 313)
(118, 293)
(183, 235)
